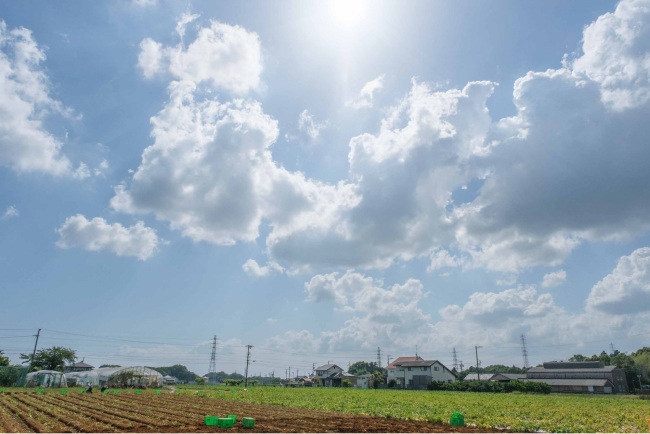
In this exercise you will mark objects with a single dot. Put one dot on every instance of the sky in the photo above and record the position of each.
(324, 179)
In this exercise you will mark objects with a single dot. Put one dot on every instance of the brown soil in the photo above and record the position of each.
(173, 413)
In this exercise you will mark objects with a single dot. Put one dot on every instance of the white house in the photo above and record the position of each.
(327, 373)
(391, 369)
(418, 374)
(365, 381)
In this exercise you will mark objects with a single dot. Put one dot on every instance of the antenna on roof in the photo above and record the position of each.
(416, 351)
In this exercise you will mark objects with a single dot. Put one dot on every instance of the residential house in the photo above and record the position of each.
(327, 373)
(392, 371)
(418, 374)
(79, 367)
(580, 377)
(365, 381)
(168, 379)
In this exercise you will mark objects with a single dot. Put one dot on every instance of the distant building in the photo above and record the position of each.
(418, 374)
(502, 378)
(365, 381)
(326, 374)
(580, 377)
(79, 367)
(168, 379)
(483, 377)
(391, 369)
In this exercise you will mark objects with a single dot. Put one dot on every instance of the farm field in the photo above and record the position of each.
(518, 412)
(150, 412)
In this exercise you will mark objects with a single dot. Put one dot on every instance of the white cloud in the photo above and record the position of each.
(615, 54)
(224, 56)
(96, 234)
(271, 320)
(507, 280)
(25, 102)
(102, 168)
(144, 3)
(627, 289)
(252, 268)
(11, 211)
(150, 57)
(442, 259)
(186, 18)
(307, 125)
(555, 278)
(365, 97)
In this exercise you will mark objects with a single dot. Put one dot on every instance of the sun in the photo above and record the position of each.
(347, 11)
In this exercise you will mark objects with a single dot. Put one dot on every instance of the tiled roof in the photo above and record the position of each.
(402, 359)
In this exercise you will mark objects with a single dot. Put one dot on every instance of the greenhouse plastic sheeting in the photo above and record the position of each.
(83, 378)
(46, 379)
(130, 376)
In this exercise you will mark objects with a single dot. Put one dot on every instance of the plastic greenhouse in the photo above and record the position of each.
(129, 376)
(83, 378)
(46, 379)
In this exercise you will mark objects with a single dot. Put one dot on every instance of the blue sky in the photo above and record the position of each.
(174, 170)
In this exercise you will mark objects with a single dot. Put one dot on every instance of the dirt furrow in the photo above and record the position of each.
(49, 419)
(118, 423)
(153, 409)
(10, 422)
(27, 418)
(82, 402)
(157, 418)
(72, 419)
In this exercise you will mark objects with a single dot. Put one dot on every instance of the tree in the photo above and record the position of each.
(577, 358)
(4, 361)
(179, 371)
(317, 382)
(253, 382)
(110, 366)
(363, 368)
(392, 383)
(346, 383)
(377, 379)
(53, 359)
(199, 380)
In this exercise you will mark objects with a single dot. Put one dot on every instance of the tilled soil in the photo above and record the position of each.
(30, 412)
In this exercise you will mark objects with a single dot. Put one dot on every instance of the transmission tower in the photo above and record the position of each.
(611, 347)
(378, 357)
(455, 360)
(213, 358)
(524, 352)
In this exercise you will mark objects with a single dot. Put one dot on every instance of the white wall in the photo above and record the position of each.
(403, 375)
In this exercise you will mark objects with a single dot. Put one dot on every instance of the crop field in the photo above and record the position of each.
(149, 412)
(518, 412)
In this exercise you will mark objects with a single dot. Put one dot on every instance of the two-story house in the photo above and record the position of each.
(418, 374)
(329, 374)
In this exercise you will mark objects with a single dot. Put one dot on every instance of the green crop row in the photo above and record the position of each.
(519, 412)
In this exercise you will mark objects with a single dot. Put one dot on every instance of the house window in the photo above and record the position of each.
(435, 368)
(423, 369)
(410, 368)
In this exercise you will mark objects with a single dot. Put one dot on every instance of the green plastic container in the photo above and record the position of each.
(158, 391)
(457, 419)
(105, 391)
(64, 390)
(248, 422)
(39, 391)
(116, 391)
(138, 391)
(2, 390)
(82, 391)
(233, 417)
(225, 422)
(210, 420)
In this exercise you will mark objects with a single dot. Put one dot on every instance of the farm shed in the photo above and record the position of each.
(578, 386)
(130, 376)
(482, 377)
(46, 379)
(581, 371)
(82, 378)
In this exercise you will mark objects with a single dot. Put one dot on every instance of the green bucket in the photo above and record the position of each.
(233, 417)
(106, 391)
(138, 391)
(210, 420)
(64, 390)
(82, 391)
(158, 391)
(39, 391)
(248, 422)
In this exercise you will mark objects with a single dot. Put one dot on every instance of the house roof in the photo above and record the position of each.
(475, 377)
(416, 363)
(402, 359)
(574, 370)
(512, 376)
(572, 382)
(82, 365)
(327, 367)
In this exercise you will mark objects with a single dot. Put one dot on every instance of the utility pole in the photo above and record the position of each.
(416, 351)
(378, 357)
(388, 359)
(478, 370)
(461, 366)
(248, 359)
(455, 360)
(524, 353)
(34, 353)
(313, 366)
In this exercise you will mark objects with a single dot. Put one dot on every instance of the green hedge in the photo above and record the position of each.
(492, 386)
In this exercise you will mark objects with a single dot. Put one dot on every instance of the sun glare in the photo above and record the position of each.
(347, 11)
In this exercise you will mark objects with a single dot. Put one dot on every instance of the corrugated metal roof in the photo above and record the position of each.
(551, 371)
(574, 365)
(513, 376)
(571, 382)
(474, 377)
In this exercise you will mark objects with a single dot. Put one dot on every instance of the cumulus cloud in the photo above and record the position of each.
(25, 143)
(96, 234)
(271, 320)
(307, 125)
(365, 97)
(627, 288)
(252, 268)
(11, 211)
(144, 3)
(507, 280)
(223, 56)
(555, 278)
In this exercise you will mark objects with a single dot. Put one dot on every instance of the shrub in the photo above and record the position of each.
(492, 386)
(392, 383)
(346, 383)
